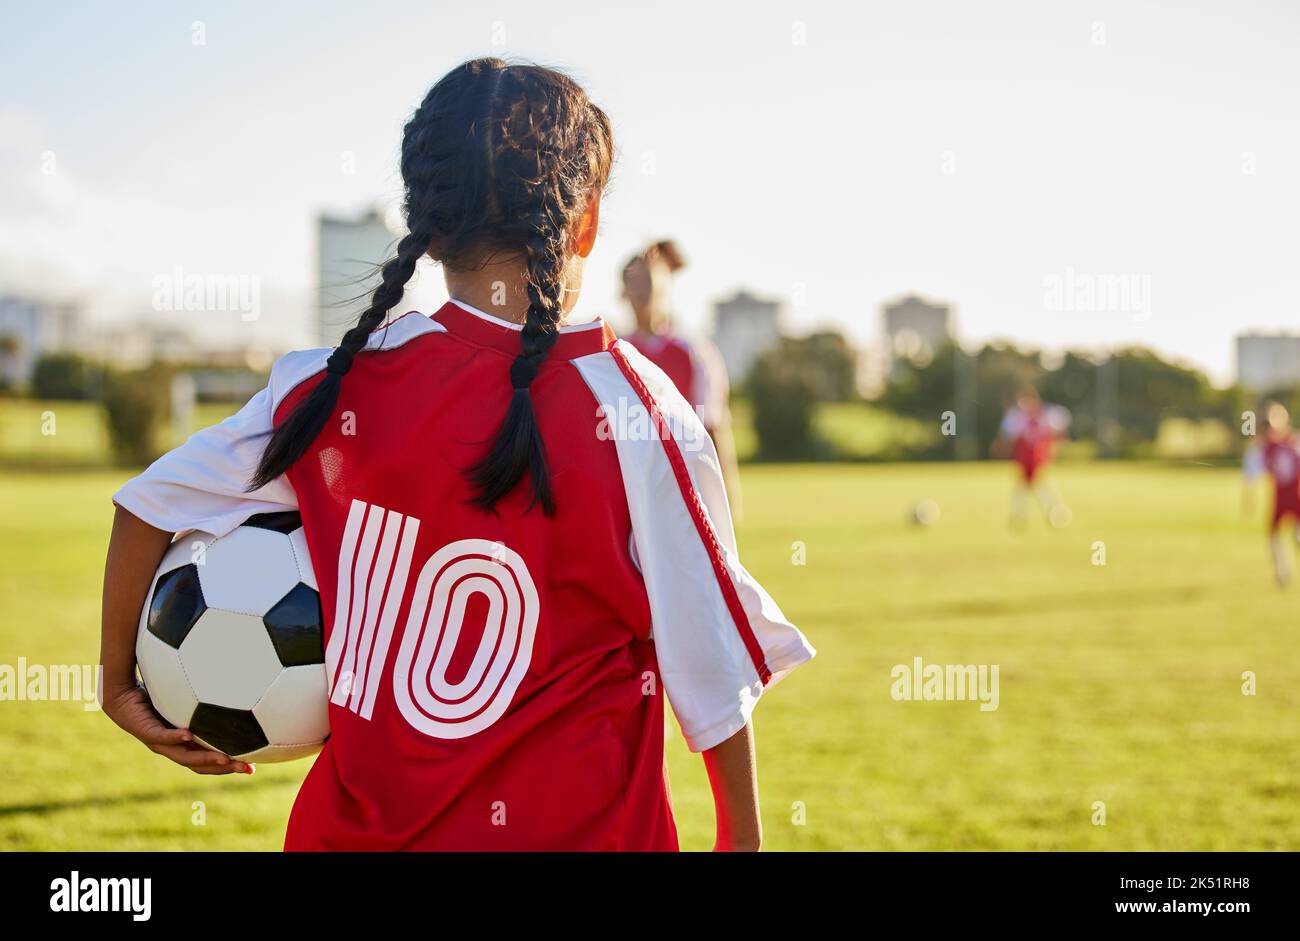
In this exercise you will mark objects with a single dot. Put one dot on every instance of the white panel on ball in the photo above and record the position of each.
(248, 571)
(283, 712)
(229, 659)
(165, 680)
(189, 548)
(308, 575)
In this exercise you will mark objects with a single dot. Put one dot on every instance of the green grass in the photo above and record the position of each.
(854, 430)
(45, 434)
(1119, 683)
(860, 430)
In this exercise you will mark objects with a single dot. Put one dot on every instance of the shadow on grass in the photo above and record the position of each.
(119, 800)
(1100, 600)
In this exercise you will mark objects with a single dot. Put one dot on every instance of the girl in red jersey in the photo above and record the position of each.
(530, 492)
(695, 368)
(1278, 455)
(1028, 436)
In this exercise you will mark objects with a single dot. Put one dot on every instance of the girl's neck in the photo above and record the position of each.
(498, 289)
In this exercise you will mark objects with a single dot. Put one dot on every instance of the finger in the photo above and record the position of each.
(156, 733)
(196, 757)
(215, 769)
(193, 756)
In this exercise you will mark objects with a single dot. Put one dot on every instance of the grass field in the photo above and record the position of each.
(1120, 683)
(37, 434)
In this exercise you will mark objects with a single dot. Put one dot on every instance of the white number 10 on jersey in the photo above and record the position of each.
(374, 564)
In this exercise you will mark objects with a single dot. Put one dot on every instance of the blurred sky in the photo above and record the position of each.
(1104, 138)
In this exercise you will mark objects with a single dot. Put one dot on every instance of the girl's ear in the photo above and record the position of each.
(584, 238)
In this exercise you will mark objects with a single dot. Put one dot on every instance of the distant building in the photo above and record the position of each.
(745, 327)
(349, 253)
(137, 344)
(29, 329)
(144, 341)
(916, 328)
(1268, 362)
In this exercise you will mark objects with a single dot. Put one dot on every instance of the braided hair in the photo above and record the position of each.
(497, 159)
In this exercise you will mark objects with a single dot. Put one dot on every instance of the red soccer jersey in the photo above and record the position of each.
(671, 354)
(1033, 436)
(1280, 457)
(495, 678)
(1282, 461)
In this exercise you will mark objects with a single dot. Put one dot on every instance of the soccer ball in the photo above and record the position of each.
(925, 513)
(231, 641)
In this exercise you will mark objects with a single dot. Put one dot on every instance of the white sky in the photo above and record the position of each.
(1100, 138)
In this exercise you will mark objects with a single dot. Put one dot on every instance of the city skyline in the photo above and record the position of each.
(1049, 173)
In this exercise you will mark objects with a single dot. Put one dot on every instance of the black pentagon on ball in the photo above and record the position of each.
(233, 731)
(176, 605)
(285, 522)
(296, 627)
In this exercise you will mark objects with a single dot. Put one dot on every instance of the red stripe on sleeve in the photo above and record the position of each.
(696, 508)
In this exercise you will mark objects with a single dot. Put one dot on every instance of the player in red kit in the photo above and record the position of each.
(1028, 436)
(517, 522)
(694, 366)
(1278, 455)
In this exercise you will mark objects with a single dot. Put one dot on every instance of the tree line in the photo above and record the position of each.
(1118, 400)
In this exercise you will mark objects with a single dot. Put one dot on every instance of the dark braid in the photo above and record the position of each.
(497, 159)
(293, 436)
(518, 446)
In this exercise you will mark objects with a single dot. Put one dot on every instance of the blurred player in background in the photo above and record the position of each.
(694, 366)
(1028, 436)
(1278, 455)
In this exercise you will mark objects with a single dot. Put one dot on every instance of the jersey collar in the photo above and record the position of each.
(483, 329)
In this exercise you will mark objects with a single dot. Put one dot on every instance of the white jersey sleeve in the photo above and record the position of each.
(203, 484)
(720, 639)
(1013, 423)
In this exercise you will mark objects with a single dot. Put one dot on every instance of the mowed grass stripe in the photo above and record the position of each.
(1118, 683)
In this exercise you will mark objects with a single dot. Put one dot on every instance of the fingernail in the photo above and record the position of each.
(250, 769)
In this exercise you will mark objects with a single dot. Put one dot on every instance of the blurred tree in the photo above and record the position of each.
(1074, 384)
(9, 347)
(135, 408)
(783, 392)
(926, 390)
(832, 365)
(785, 386)
(1148, 389)
(63, 376)
(1119, 400)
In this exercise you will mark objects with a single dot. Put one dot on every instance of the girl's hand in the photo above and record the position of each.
(134, 551)
(128, 706)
